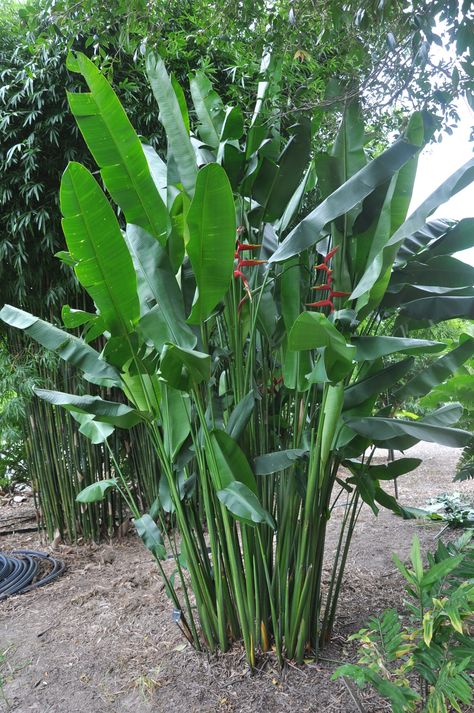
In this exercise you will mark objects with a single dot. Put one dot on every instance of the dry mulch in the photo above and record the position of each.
(101, 638)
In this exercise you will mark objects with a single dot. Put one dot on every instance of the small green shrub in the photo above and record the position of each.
(435, 644)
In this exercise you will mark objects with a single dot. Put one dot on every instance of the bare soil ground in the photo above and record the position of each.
(101, 638)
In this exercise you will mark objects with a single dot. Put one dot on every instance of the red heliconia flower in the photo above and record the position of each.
(327, 285)
(248, 262)
(321, 303)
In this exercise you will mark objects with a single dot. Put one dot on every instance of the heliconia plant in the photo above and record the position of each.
(245, 340)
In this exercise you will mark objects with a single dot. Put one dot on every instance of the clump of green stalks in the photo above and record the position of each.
(244, 341)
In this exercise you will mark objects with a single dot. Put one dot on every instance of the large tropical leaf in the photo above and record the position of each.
(161, 300)
(296, 364)
(179, 144)
(458, 180)
(382, 430)
(209, 109)
(376, 383)
(106, 411)
(104, 266)
(183, 368)
(228, 462)
(371, 348)
(312, 330)
(378, 171)
(70, 348)
(432, 310)
(117, 150)
(244, 504)
(211, 247)
(437, 372)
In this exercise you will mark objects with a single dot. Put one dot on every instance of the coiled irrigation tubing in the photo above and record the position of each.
(19, 571)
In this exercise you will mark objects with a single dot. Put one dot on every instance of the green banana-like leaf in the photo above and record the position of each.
(240, 416)
(96, 431)
(176, 415)
(278, 461)
(371, 348)
(376, 383)
(432, 310)
(73, 318)
(104, 266)
(70, 348)
(310, 230)
(384, 471)
(117, 150)
(292, 163)
(211, 247)
(96, 492)
(183, 368)
(423, 240)
(312, 330)
(209, 109)
(296, 365)
(111, 412)
(393, 214)
(441, 270)
(382, 430)
(458, 180)
(233, 124)
(179, 143)
(157, 285)
(150, 535)
(231, 462)
(437, 372)
(244, 504)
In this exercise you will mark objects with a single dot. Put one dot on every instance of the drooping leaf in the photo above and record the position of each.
(309, 231)
(436, 372)
(244, 504)
(232, 464)
(312, 330)
(381, 430)
(116, 148)
(70, 348)
(96, 431)
(107, 411)
(371, 348)
(278, 461)
(96, 492)
(104, 266)
(150, 535)
(212, 235)
(182, 368)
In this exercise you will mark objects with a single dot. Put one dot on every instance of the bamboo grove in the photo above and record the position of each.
(251, 344)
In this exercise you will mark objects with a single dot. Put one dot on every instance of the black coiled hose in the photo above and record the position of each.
(18, 571)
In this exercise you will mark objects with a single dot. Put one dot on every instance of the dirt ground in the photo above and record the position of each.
(101, 638)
